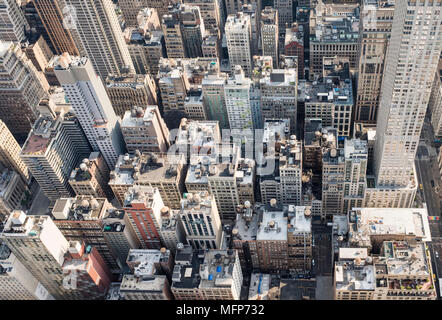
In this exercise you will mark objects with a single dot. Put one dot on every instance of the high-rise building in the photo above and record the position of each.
(334, 31)
(281, 176)
(237, 99)
(131, 8)
(382, 254)
(192, 30)
(284, 238)
(210, 46)
(80, 219)
(239, 36)
(143, 206)
(151, 276)
(119, 235)
(279, 95)
(210, 13)
(435, 103)
(12, 190)
(294, 46)
(174, 84)
(173, 36)
(270, 34)
(285, 13)
(53, 149)
(375, 31)
(144, 129)
(12, 21)
(213, 97)
(355, 173)
(16, 282)
(194, 106)
(38, 51)
(332, 175)
(129, 90)
(10, 152)
(172, 229)
(221, 174)
(331, 100)
(99, 34)
(21, 89)
(145, 42)
(91, 177)
(40, 247)
(404, 100)
(201, 220)
(87, 270)
(51, 13)
(92, 106)
(206, 275)
(35, 23)
(165, 172)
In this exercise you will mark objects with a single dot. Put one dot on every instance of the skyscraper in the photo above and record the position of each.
(21, 89)
(12, 21)
(411, 63)
(239, 36)
(51, 152)
(10, 152)
(377, 18)
(16, 282)
(237, 99)
(40, 247)
(270, 34)
(92, 106)
(192, 30)
(98, 32)
(285, 13)
(51, 16)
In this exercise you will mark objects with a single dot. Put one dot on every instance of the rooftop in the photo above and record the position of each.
(44, 131)
(368, 222)
(149, 283)
(273, 225)
(259, 286)
(246, 225)
(139, 116)
(145, 260)
(140, 194)
(197, 201)
(350, 276)
(187, 267)
(81, 208)
(221, 163)
(329, 90)
(200, 135)
(131, 169)
(19, 224)
(217, 268)
(334, 23)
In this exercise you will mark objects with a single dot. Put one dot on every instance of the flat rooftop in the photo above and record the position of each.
(399, 221)
(134, 284)
(217, 269)
(132, 169)
(146, 259)
(351, 277)
(273, 226)
(246, 225)
(300, 219)
(259, 286)
(81, 208)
